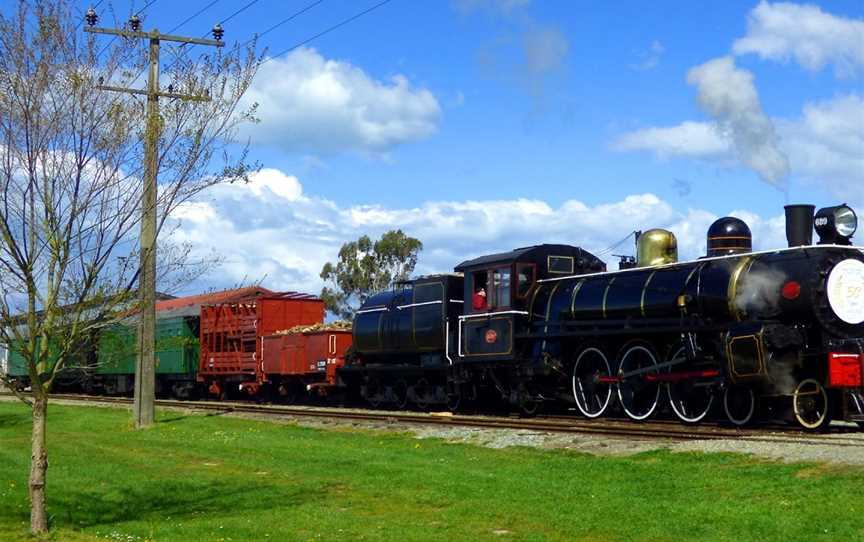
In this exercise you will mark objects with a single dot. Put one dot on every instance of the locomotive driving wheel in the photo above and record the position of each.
(372, 393)
(811, 406)
(454, 396)
(421, 394)
(638, 394)
(592, 395)
(739, 404)
(400, 393)
(690, 401)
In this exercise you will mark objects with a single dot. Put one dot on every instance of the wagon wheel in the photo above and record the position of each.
(287, 392)
(690, 401)
(592, 396)
(811, 406)
(739, 404)
(400, 394)
(638, 395)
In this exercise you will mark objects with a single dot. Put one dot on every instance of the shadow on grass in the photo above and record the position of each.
(177, 500)
(13, 420)
(181, 417)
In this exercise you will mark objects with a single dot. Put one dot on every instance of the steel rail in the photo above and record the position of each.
(654, 430)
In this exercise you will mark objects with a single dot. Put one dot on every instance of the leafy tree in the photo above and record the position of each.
(365, 267)
(70, 183)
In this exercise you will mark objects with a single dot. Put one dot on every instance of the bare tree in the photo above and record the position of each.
(70, 165)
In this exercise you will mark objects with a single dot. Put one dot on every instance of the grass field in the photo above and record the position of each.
(219, 478)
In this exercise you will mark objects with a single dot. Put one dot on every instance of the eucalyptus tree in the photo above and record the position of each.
(71, 158)
(365, 267)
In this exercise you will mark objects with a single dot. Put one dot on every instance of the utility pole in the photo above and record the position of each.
(145, 366)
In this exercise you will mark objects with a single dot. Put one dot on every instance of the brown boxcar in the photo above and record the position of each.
(231, 356)
(304, 362)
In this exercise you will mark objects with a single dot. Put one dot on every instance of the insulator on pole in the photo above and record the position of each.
(91, 17)
(218, 32)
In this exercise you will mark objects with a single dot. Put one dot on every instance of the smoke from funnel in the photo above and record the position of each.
(727, 94)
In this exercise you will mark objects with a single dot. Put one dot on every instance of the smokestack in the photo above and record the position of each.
(799, 224)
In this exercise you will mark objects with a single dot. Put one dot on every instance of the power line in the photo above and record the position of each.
(257, 35)
(283, 21)
(139, 12)
(197, 13)
(77, 26)
(328, 30)
(239, 11)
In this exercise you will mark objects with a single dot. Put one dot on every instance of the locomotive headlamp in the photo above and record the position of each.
(836, 225)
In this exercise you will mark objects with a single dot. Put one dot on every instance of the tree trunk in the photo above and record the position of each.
(38, 466)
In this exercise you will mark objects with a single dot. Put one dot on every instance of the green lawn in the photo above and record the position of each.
(218, 478)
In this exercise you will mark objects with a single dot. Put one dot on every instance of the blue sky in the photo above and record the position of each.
(481, 125)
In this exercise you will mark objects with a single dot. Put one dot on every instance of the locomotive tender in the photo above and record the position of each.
(730, 331)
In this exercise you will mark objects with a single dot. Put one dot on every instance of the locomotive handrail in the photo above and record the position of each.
(376, 309)
(487, 314)
(408, 306)
(708, 259)
(447, 341)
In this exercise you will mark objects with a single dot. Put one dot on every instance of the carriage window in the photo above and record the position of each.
(560, 264)
(524, 279)
(501, 287)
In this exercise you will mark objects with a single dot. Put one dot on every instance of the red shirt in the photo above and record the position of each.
(478, 301)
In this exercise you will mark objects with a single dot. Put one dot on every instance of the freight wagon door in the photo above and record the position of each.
(271, 348)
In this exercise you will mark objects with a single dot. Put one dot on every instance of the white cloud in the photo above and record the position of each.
(288, 238)
(727, 94)
(276, 183)
(783, 31)
(311, 104)
(827, 144)
(688, 139)
(545, 49)
(650, 58)
(528, 58)
(824, 145)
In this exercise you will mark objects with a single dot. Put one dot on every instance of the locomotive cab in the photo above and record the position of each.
(498, 290)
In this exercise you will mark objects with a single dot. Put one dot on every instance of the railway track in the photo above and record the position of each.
(655, 430)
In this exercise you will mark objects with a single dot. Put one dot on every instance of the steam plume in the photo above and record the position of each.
(727, 94)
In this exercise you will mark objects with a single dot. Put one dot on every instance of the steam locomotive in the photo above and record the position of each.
(735, 331)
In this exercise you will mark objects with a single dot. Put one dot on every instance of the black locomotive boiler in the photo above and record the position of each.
(726, 331)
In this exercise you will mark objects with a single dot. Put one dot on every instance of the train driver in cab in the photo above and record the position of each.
(478, 301)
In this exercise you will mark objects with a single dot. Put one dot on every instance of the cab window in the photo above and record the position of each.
(524, 279)
(560, 265)
(480, 295)
(501, 287)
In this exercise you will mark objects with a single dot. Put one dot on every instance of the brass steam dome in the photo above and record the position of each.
(656, 247)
